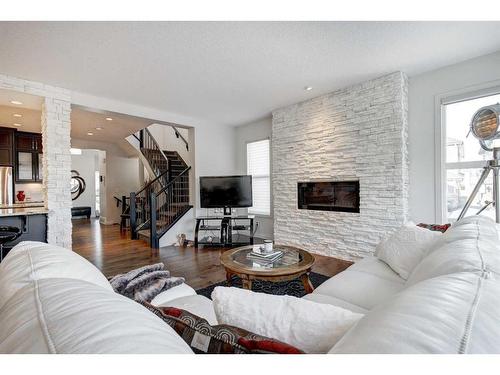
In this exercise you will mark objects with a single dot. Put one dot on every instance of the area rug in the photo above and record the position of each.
(291, 288)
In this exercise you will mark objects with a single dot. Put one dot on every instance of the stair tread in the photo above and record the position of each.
(160, 161)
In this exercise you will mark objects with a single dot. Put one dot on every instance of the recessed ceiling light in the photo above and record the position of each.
(90, 133)
(17, 102)
(98, 128)
(75, 151)
(308, 88)
(109, 119)
(17, 115)
(16, 124)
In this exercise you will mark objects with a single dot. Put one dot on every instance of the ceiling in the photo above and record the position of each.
(230, 72)
(29, 110)
(28, 101)
(83, 120)
(28, 122)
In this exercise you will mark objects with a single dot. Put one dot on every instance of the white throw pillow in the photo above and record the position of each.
(405, 248)
(310, 326)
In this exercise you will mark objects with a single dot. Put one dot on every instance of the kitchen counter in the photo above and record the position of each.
(23, 205)
(23, 211)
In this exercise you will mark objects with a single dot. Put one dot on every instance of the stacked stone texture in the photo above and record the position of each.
(359, 132)
(56, 127)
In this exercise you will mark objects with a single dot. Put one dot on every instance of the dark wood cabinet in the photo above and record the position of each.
(38, 143)
(22, 151)
(28, 157)
(25, 142)
(6, 147)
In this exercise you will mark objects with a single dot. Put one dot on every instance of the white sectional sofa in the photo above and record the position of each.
(53, 301)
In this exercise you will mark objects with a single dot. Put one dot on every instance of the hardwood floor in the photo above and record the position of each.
(113, 252)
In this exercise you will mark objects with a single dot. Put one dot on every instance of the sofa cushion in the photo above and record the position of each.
(309, 326)
(457, 313)
(365, 284)
(74, 316)
(182, 290)
(470, 245)
(203, 337)
(405, 248)
(196, 304)
(36, 261)
(435, 227)
(374, 266)
(329, 300)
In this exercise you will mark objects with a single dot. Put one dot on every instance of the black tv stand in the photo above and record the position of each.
(224, 226)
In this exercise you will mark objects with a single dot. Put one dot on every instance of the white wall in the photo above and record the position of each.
(254, 131)
(213, 147)
(215, 154)
(214, 151)
(122, 176)
(183, 226)
(423, 90)
(86, 165)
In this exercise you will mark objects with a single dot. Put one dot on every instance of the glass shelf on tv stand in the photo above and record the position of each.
(220, 217)
(228, 225)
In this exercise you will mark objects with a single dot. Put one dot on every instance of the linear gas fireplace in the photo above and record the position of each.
(329, 196)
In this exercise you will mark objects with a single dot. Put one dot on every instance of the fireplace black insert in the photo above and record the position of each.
(329, 196)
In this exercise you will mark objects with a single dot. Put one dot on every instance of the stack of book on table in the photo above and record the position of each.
(260, 255)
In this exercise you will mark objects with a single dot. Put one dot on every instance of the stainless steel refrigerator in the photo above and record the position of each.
(6, 187)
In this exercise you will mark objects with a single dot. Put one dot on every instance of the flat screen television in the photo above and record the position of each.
(225, 191)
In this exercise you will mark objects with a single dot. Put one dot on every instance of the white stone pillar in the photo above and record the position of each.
(56, 127)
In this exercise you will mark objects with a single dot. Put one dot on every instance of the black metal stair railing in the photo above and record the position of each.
(168, 205)
(164, 200)
(140, 205)
(179, 135)
(153, 153)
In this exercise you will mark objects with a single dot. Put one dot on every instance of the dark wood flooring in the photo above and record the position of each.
(113, 252)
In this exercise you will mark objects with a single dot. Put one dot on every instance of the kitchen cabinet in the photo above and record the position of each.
(28, 157)
(25, 141)
(6, 147)
(25, 170)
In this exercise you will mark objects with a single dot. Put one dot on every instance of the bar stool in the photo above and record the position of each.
(8, 234)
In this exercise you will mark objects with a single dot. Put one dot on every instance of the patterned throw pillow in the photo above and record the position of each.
(219, 339)
(435, 227)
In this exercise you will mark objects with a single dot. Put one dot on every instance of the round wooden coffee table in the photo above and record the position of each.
(295, 263)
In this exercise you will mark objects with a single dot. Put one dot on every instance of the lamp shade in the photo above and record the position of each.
(485, 125)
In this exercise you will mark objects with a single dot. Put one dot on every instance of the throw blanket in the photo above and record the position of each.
(145, 283)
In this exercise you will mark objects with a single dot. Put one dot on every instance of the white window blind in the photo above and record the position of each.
(258, 166)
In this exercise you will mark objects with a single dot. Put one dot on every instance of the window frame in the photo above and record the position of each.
(456, 96)
(270, 215)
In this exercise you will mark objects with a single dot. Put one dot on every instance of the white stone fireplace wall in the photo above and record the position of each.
(360, 133)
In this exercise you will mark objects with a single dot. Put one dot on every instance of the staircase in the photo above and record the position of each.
(164, 200)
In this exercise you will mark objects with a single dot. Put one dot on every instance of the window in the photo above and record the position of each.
(258, 166)
(465, 159)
